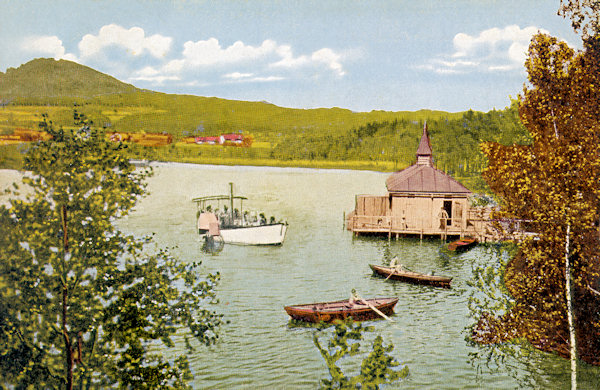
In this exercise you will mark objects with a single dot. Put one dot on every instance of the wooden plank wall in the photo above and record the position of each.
(372, 205)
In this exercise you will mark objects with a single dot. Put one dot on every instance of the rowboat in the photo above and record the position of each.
(339, 310)
(462, 244)
(410, 276)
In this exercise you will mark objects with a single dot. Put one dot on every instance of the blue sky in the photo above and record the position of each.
(361, 55)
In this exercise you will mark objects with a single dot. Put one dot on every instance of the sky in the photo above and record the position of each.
(392, 55)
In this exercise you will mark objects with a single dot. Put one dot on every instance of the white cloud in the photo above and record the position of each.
(330, 58)
(267, 79)
(134, 40)
(210, 52)
(517, 52)
(152, 75)
(199, 62)
(237, 75)
(249, 77)
(209, 55)
(324, 56)
(287, 58)
(492, 50)
(47, 45)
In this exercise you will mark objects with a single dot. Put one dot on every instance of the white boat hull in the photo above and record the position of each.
(273, 234)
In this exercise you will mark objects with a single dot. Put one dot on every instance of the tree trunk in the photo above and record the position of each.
(65, 294)
(68, 349)
(573, 345)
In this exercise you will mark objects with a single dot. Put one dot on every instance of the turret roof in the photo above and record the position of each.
(424, 148)
(422, 177)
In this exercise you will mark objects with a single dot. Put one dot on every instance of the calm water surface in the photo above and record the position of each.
(320, 261)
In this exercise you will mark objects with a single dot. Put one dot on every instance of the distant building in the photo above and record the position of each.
(421, 200)
(207, 140)
(223, 139)
(141, 138)
(20, 135)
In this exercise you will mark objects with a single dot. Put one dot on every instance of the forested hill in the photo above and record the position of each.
(46, 77)
(323, 137)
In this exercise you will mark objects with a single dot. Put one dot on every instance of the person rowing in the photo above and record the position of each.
(357, 299)
(396, 266)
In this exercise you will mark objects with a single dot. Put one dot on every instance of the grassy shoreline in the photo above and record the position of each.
(11, 158)
(380, 166)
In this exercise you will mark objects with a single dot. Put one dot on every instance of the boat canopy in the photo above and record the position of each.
(201, 202)
(217, 197)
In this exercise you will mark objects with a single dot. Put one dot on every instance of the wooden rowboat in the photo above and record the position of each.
(339, 310)
(462, 244)
(410, 276)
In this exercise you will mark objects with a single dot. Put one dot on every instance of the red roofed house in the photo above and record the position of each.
(421, 200)
(232, 138)
(207, 140)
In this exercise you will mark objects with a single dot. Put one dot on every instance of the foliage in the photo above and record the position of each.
(455, 142)
(82, 303)
(552, 184)
(482, 200)
(376, 369)
(584, 15)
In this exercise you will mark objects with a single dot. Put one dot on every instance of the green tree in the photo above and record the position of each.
(83, 304)
(552, 184)
(377, 368)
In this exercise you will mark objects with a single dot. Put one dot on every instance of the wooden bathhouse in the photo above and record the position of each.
(421, 200)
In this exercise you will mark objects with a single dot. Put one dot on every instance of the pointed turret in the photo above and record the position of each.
(423, 177)
(424, 154)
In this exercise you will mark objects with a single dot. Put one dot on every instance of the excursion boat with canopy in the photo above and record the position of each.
(235, 225)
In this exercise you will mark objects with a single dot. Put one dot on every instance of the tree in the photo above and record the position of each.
(584, 15)
(552, 185)
(82, 303)
(376, 369)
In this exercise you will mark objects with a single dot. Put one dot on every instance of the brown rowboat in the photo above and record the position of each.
(411, 276)
(462, 244)
(339, 310)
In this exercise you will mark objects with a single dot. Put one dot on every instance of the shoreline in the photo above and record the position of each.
(249, 167)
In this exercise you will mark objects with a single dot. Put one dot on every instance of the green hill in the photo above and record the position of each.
(123, 107)
(46, 77)
(322, 137)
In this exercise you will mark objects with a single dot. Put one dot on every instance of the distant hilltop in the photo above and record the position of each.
(45, 80)
(46, 77)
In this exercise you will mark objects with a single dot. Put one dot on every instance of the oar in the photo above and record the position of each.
(376, 310)
(391, 273)
(395, 259)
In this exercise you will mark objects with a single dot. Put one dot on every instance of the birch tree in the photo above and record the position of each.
(553, 185)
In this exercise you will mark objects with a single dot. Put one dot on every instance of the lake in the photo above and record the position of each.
(321, 261)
